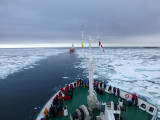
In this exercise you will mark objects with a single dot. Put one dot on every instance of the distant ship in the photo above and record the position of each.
(72, 49)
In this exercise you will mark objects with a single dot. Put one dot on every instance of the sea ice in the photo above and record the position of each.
(14, 60)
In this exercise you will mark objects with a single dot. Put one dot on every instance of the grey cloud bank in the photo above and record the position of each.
(130, 22)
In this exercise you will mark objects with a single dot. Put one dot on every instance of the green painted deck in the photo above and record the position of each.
(80, 97)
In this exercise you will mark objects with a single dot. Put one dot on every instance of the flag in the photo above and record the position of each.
(82, 45)
(99, 43)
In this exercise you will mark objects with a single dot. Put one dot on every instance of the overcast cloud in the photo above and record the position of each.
(59, 21)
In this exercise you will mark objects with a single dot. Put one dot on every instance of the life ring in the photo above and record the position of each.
(126, 96)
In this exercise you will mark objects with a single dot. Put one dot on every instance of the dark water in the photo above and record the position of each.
(22, 92)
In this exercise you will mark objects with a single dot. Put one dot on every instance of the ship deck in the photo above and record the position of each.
(80, 98)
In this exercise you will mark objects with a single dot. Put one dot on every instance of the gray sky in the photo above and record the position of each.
(121, 22)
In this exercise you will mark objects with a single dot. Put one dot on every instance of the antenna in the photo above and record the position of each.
(97, 20)
(82, 29)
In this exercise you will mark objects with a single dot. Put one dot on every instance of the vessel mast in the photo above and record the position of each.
(90, 68)
(82, 32)
(92, 100)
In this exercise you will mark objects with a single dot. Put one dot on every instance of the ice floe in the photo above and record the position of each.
(64, 77)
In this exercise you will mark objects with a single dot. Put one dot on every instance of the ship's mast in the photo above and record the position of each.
(82, 33)
(92, 100)
(82, 38)
(90, 68)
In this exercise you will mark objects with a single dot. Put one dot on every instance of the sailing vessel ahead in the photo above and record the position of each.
(72, 49)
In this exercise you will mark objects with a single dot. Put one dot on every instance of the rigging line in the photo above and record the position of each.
(97, 19)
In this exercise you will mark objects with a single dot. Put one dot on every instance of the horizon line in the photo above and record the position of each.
(68, 45)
